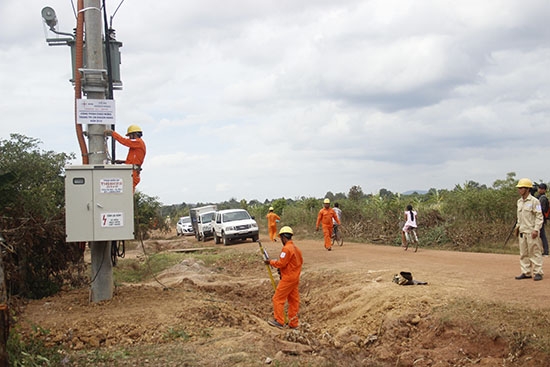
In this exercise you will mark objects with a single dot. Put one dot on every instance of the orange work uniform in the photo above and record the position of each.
(325, 217)
(136, 154)
(290, 263)
(272, 219)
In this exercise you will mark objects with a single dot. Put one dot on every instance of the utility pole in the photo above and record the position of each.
(97, 197)
(94, 85)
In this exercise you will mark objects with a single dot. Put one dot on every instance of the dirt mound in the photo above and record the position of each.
(351, 313)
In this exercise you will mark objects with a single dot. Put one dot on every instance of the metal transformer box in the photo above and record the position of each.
(99, 203)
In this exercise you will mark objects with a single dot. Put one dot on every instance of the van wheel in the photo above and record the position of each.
(225, 240)
(254, 238)
(216, 238)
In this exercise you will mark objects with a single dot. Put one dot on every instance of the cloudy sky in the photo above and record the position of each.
(253, 99)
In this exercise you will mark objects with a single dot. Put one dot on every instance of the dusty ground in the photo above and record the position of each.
(352, 314)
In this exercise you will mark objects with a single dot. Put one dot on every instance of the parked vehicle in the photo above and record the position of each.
(201, 220)
(234, 224)
(184, 227)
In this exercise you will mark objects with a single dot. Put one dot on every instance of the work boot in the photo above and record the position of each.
(275, 323)
(538, 277)
(523, 276)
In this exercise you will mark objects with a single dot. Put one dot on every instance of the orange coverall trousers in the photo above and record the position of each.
(272, 232)
(327, 232)
(287, 290)
(272, 219)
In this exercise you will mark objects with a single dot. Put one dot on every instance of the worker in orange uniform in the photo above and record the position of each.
(272, 220)
(290, 265)
(325, 216)
(136, 153)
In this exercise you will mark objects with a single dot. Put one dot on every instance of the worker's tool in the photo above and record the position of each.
(510, 234)
(268, 267)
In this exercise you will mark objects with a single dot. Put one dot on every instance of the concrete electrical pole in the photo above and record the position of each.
(96, 202)
(94, 84)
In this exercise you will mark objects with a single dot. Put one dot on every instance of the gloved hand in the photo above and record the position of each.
(108, 132)
(267, 262)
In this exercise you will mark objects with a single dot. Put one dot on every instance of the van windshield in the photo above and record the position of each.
(207, 217)
(233, 216)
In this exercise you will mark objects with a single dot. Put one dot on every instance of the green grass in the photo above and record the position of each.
(32, 352)
(135, 271)
(173, 334)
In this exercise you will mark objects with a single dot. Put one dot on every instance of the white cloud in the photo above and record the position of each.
(259, 100)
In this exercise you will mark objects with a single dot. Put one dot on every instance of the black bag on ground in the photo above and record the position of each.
(406, 278)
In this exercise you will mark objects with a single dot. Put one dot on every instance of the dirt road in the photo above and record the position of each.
(351, 312)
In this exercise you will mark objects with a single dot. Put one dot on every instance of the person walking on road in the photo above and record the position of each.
(544, 205)
(136, 153)
(272, 220)
(290, 265)
(528, 226)
(409, 229)
(326, 216)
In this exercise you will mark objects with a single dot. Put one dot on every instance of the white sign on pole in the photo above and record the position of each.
(96, 111)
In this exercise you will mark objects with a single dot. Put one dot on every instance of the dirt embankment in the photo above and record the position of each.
(352, 314)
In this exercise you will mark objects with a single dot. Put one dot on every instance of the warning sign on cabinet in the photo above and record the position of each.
(111, 185)
(112, 220)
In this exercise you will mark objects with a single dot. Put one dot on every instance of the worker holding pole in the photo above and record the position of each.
(290, 264)
(136, 151)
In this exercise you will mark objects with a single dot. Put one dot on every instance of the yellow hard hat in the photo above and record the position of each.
(525, 182)
(133, 129)
(326, 201)
(271, 208)
(286, 229)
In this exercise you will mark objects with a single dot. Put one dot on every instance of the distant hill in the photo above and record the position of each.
(410, 192)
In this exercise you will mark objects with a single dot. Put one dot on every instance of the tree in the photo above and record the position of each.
(386, 194)
(339, 196)
(148, 215)
(356, 193)
(508, 183)
(279, 205)
(32, 218)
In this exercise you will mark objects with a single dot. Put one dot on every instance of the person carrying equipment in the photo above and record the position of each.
(290, 265)
(136, 153)
(529, 223)
(272, 220)
(326, 216)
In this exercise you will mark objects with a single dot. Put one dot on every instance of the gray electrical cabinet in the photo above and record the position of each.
(99, 203)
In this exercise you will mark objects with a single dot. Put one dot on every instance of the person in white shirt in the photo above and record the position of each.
(338, 212)
(409, 228)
